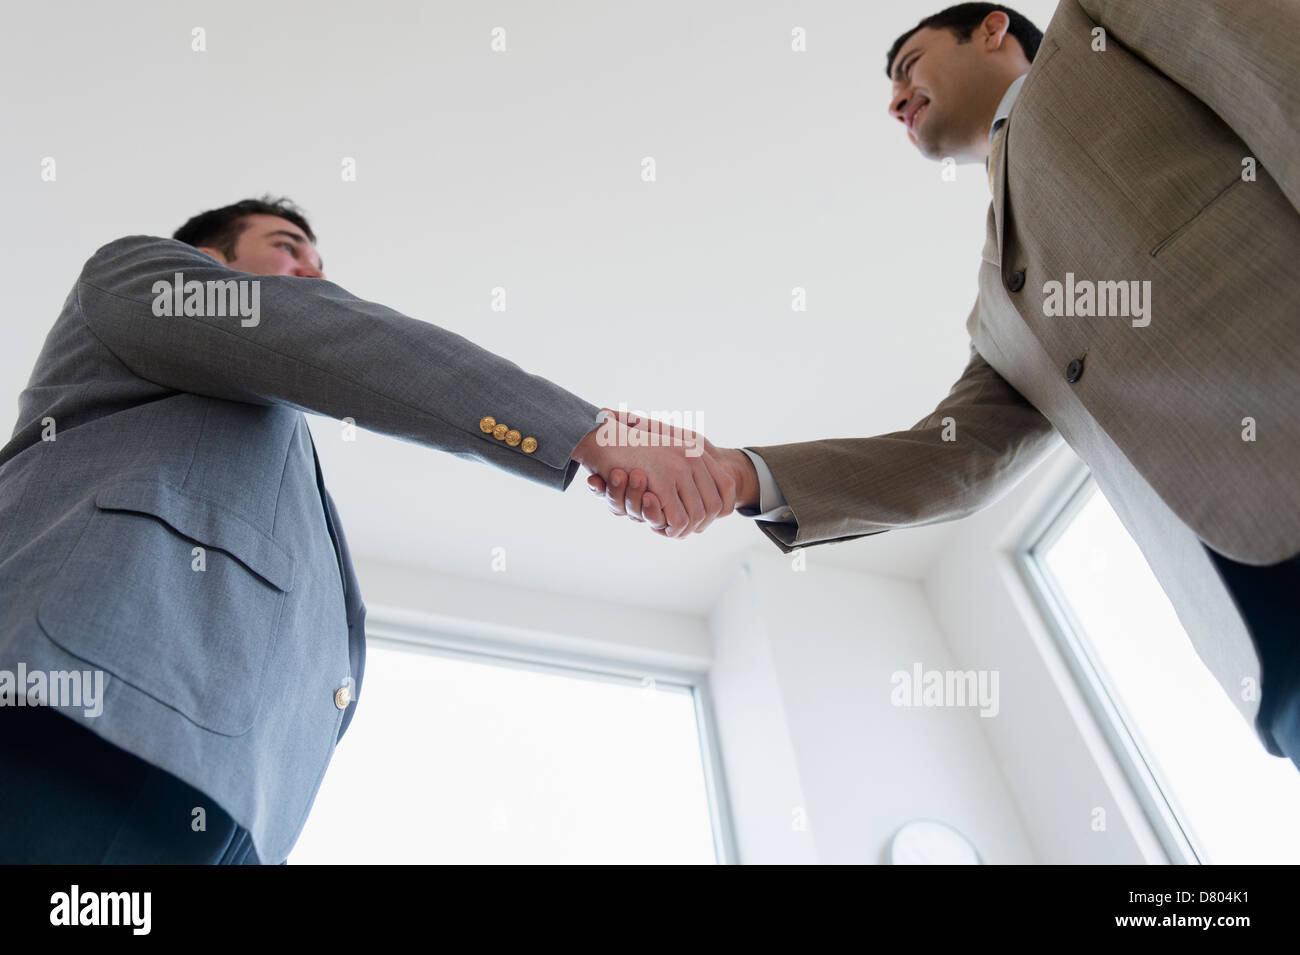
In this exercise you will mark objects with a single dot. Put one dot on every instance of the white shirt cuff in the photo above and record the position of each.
(771, 502)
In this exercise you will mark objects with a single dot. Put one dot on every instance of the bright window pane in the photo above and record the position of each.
(456, 760)
(1238, 801)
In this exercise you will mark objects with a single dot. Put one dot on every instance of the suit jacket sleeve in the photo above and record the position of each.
(320, 349)
(1236, 57)
(844, 488)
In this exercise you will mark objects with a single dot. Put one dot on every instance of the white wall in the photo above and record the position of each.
(769, 808)
(815, 650)
(1045, 738)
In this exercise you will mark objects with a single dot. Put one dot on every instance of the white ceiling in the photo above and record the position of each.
(522, 169)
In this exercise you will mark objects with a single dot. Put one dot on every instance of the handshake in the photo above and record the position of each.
(671, 478)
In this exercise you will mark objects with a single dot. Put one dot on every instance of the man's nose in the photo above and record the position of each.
(308, 272)
(898, 105)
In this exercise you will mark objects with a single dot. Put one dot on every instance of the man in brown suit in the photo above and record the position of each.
(1138, 296)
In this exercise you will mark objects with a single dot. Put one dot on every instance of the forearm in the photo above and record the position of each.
(977, 443)
(320, 349)
(842, 488)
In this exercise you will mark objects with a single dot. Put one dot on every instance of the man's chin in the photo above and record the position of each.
(930, 149)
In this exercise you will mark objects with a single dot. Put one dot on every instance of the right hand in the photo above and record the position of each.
(630, 493)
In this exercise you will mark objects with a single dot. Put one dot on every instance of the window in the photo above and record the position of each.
(507, 755)
(1212, 791)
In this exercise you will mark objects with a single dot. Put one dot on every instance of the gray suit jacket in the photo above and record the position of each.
(1123, 164)
(176, 433)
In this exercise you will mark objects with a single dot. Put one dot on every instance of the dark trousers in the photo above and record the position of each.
(1268, 599)
(69, 797)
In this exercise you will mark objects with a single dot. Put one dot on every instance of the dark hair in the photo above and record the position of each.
(962, 21)
(220, 228)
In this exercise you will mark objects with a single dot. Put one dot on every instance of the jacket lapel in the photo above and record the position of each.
(1000, 187)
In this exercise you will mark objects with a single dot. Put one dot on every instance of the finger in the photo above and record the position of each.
(596, 483)
(615, 492)
(693, 503)
(709, 495)
(674, 511)
(653, 512)
(724, 482)
(636, 488)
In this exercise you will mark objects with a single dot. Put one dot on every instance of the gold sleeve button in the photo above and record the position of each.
(529, 445)
(513, 438)
(499, 432)
(487, 424)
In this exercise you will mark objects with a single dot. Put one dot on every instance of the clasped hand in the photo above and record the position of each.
(670, 478)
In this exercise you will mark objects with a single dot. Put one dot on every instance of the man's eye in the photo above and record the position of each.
(287, 245)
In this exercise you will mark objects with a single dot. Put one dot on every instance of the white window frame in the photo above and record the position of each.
(1176, 838)
(479, 643)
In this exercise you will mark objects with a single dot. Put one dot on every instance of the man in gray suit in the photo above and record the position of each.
(1138, 297)
(174, 577)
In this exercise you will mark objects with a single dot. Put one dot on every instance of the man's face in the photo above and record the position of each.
(270, 245)
(937, 88)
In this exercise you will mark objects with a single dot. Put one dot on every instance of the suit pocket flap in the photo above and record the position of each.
(204, 522)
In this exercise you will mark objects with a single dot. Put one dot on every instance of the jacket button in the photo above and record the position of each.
(487, 424)
(342, 697)
(1017, 281)
(1074, 370)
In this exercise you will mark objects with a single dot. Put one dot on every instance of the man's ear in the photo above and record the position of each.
(215, 253)
(994, 29)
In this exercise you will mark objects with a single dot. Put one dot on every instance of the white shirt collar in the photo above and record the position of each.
(1008, 100)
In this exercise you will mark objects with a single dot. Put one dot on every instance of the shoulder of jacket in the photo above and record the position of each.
(114, 254)
(129, 241)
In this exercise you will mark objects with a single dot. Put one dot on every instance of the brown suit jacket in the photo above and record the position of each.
(1128, 164)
